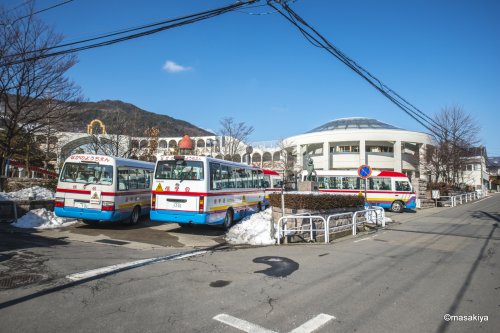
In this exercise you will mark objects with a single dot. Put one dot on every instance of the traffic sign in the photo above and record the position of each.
(364, 171)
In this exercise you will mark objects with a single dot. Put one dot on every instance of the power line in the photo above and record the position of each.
(158, 27)
(316, 39)
(39, 11)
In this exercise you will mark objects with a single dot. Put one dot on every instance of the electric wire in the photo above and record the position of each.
(316, 39)
(161, 26)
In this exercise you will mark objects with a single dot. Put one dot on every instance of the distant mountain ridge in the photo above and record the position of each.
(122, 117)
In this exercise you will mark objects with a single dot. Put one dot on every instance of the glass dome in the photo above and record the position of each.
(352, 123)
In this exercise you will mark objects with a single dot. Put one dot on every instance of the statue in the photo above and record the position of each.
(309, 167)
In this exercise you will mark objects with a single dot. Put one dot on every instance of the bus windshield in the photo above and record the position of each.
(179, 170)
(87, 173)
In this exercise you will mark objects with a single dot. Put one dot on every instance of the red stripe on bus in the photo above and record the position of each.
(208, 194)
(111, 194)
(363, 191)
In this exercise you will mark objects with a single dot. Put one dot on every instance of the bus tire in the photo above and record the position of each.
(397, 207)
(134, 217)
(90, 222)
(259, 207)
(228, 220)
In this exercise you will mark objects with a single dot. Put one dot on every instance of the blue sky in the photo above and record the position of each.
(260, 70)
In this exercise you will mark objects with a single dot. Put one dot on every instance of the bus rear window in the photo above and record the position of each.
(179, 170)
(87, 173)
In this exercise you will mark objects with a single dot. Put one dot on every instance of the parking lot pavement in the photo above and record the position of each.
(146, 235)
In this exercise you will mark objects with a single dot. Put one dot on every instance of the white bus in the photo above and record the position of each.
(104, 188)
(204, 190)
(388, 189)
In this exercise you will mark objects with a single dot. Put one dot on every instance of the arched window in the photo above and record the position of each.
(144, 144)
(200, 143)
(172, 144)
(237, 158)
(162, 144)
(134, 144)
(256, 158)
(266, 157)
(276, 156)
(227, 157)
(219, 156)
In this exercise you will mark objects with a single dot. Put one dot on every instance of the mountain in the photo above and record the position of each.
(125, 118)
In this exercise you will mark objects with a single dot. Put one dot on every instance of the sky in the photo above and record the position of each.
(256, 67)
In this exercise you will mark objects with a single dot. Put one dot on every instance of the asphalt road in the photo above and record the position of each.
(406, 278)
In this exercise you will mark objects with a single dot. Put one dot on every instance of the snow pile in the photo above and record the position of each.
(35, 193)
(253, 230)
(42, 219)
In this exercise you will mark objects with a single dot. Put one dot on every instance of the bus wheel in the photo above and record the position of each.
(397, 207)
(259, 207)
(228, 220)
(134, 217)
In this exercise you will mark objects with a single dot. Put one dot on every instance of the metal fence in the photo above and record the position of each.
(460, 199)
(316, 225)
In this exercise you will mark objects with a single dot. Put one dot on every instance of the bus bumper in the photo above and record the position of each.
(183, 217)
(89, 214)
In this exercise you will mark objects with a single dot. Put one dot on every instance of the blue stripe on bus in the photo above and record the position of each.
(92, 214)
(214, 217)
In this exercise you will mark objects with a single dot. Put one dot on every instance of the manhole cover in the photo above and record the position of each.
(14, 281)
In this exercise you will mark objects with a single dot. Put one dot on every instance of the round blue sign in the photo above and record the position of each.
(364, 171)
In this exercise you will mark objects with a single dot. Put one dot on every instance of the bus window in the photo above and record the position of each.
(350, 183)
(402, 185)
(179, 170)
(215, 176)
(380, 183)
(88, 173)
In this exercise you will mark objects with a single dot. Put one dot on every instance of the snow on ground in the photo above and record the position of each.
(253, 230)
(35, 193)
(42, 219)
(37, 218)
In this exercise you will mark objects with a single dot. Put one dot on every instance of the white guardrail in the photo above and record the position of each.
(315, 225)
(460, 199)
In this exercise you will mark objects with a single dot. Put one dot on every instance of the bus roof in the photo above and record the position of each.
(270, 172)
(204, 158)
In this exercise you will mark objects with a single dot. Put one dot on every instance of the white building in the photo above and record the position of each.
(348, 143)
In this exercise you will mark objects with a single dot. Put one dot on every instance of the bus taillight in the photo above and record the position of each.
(59, 202)
(153, 201)
(201, 204)
(108, 205)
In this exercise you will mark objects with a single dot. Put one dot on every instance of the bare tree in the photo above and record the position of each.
(234, 134)
(457, 136)
(33, 93)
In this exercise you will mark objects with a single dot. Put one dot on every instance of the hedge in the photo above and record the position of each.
(316, 201)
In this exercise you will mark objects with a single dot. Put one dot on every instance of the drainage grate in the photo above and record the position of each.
(112, 241)
(14, 281)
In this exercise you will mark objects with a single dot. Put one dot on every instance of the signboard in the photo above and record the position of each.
(364, 171)
(435, 194)
(95, 197)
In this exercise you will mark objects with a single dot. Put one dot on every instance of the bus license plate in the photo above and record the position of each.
(79, 204)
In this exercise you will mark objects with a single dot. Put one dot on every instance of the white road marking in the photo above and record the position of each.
(241, 324)
(245, 326)
(313, 324)
(133, 264)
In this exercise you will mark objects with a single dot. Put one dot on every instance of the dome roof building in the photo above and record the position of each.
(347, 143)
